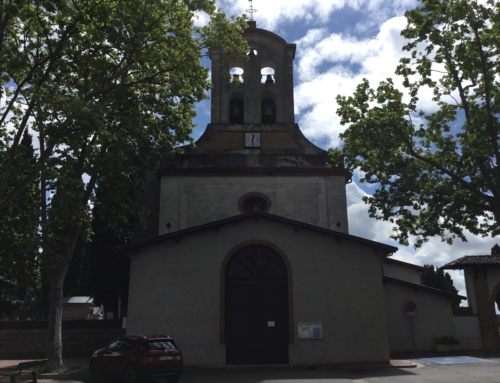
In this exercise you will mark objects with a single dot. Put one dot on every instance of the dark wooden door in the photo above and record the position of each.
(256, 307)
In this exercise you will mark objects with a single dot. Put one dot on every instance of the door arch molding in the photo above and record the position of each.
(291, 334)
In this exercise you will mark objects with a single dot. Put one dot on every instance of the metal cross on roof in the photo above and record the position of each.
(252, 10)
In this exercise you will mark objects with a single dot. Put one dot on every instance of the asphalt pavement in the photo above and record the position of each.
(478, 368)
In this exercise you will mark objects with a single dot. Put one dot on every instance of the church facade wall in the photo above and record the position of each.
(433, 317)
(400, 271)
(192, 201)
(175, 289)
(149, 199)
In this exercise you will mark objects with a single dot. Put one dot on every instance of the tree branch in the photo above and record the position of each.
(444, 170)
(487, 93)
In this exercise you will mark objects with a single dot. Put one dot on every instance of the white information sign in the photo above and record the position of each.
(270, 324)
(310, 330)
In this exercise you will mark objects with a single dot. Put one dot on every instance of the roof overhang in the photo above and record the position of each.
(386, 250)
(254, 172)
(473, 261)
(432, 290)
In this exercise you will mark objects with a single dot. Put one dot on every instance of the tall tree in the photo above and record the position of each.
(19, 232)
(436, 170)
(437, 278)
(110, 87)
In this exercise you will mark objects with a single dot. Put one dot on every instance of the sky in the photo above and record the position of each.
(338, 44)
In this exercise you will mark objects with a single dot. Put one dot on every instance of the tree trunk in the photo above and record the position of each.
(54, 341)
(57, 273)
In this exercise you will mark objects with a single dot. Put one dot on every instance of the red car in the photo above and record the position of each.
(136, 358)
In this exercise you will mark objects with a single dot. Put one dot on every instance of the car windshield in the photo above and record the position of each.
(159, 345)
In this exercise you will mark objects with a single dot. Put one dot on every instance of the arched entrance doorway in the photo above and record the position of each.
(256, 307)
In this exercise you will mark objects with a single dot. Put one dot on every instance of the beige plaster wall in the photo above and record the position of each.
(175, 290)
(468, 332)
(399, 271)
(469, 287)
(433, 317)
(191, 201)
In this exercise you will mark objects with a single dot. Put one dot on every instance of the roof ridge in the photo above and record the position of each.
(256, 213)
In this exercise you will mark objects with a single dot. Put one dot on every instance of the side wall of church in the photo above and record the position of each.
(192, 201)
(415, 333)
(401, 271)
(175, 289)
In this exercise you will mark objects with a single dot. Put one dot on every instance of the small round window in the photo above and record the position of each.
(254, 201)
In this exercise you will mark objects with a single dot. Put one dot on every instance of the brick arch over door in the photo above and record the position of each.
(231, 252)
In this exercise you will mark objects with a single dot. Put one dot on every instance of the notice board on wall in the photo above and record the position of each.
(310, 330)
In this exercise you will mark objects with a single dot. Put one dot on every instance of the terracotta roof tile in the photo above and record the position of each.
(473, 260)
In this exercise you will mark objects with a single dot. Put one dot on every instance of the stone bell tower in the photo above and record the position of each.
(265, 94)
(252, 155)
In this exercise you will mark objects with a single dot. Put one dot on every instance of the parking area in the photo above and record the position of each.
(431, 368)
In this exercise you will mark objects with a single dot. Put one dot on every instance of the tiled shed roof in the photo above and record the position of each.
(473, 260)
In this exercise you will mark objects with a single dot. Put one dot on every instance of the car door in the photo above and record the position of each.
(113, 358)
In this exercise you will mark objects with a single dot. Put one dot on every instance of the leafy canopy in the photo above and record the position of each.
(108, 90)
(86, 75)
(436, 170)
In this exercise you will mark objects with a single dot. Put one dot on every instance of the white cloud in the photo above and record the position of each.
(333, 64)
(273, 14)
(201, 19)
(360, 224)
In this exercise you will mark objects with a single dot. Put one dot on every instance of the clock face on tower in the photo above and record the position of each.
(252, 140)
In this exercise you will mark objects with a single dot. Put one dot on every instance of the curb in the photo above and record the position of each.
(394, 363)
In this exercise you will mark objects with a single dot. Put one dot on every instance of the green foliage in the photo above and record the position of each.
(495, 249)
(20, 239)
(19, 235)
(65, 66)
(438, 279)
(436, 170)
(109, 87)
(446, 339)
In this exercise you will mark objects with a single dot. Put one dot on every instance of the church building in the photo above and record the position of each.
(247, 258)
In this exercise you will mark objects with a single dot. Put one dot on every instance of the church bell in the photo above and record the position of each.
(236, 112)
(269, 80)
(268, 112)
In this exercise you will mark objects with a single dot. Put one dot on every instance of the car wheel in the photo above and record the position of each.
(132, 375)
(173, 379)
(94, 371)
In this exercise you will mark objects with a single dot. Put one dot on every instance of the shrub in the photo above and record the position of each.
(446, 339)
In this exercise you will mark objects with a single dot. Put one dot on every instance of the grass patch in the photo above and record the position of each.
(60, 371)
